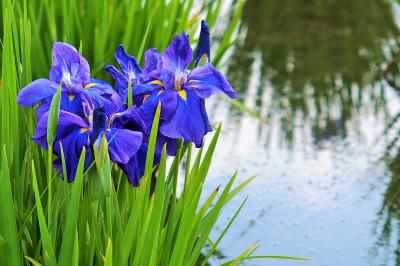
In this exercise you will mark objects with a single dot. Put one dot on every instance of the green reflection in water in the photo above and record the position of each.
(387, 225)
(317, 60)
(318, 63)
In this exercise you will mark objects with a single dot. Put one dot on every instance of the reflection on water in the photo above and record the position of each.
(316, 56)
(326, 147)
(387, 225)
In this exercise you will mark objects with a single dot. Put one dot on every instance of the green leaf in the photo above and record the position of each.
(242, 256)
(54, 112)
(140, 53)
(275, 257)
(8, 224)
(103, 164)
(152, 143)
(223, 233)
(48, 247)
(67, 244)
(130, 103)
(33, 261)
(108, 259)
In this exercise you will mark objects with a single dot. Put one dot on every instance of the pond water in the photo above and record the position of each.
(326, 147)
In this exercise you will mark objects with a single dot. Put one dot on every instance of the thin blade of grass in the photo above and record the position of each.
(215, 245)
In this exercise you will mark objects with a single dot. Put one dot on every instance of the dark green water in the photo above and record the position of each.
(327, 148)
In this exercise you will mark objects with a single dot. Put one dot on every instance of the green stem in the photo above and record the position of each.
(50, 187)
(129, 94)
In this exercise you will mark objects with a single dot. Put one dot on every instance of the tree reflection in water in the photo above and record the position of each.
(313, 62)
(316, 64)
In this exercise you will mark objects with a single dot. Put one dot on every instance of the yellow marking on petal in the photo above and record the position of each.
(157, 82)
(182, 93)
(161, 91)
(89, 85)
(84, 129)
(145, 97)
(193, 80)
(71, 97)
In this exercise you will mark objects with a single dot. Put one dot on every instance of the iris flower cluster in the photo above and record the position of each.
(92, 108)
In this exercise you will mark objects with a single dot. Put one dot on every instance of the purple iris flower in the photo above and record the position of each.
(181, 91)
(74, 133)
(131, 119)
(72, 71)
(130, 74)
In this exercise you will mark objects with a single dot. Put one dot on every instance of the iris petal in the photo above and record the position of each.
(168, 99)
(152, 65)
(206, 80)
(35, 92)
(129, 119)
(127, 62)
(178, 55)
(204, 43)
(134, 169)
(64, 53)
(110, 102)
(121, 81)
(189, 121)
(67, 122)
(72, 146)
(71, 103)
(123, 144)
(146, 88)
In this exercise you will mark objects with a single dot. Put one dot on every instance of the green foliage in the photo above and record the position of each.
(99, 219)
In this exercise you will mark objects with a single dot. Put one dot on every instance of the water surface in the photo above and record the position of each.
(325, 149)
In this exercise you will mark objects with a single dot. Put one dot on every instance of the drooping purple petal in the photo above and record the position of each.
(72, 103)
(134, 169)
(40, 136)
(189, 121)
(178, 54)
(67, 122)
(72, 146)
(43, 107)
(129, 119)
(203, 48)
(168, 99)
(123, 144)
(169, 142)
(35, 92)
(206, 80)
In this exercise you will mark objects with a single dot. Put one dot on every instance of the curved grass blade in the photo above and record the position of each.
(215, 245)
